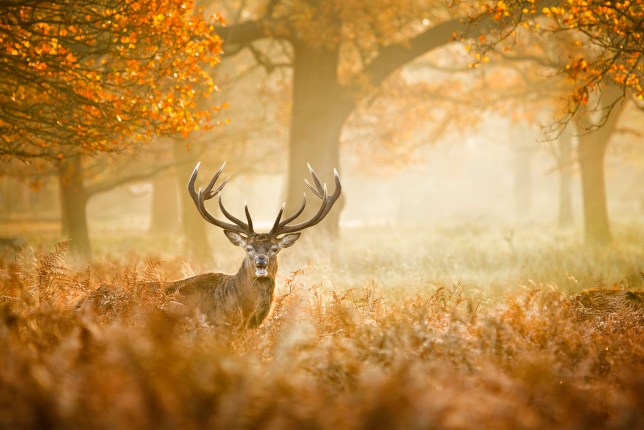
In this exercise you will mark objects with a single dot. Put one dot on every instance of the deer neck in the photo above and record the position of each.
(260, 290)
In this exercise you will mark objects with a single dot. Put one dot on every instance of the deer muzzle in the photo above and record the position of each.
(261, 266)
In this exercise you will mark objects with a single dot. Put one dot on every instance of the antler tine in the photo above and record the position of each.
(278, 225)
(338, 188)
(191, 182)
(208, 190)
(297, 212)
(247, 228)
(318, 192)
(327, 203)
(318, 184)
(248, 218)
(204, 194)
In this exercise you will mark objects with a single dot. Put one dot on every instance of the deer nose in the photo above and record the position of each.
(261, 261)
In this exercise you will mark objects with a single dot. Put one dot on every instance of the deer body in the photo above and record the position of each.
(244, 299)
(238, 299)
(241, 299)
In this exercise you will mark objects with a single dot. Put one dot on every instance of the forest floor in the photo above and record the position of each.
(458, 327)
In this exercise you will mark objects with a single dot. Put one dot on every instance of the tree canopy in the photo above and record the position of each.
(98, 75)
(601, 42)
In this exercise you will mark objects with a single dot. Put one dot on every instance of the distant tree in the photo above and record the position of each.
(564, 155)
(606, 69)
(605, 40)
(164, 208)
(81, 178)
(340, 52)
(595, 132)
(95, 76)
(600, 47)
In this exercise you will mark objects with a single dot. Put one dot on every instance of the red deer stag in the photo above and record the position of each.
(245, 298)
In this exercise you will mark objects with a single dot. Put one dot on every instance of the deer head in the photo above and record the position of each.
(262, 248)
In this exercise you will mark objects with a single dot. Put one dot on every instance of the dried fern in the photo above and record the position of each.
(52, 274)
(52, 266)
(151, 272)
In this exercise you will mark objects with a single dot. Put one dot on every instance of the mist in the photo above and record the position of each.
(330, 214)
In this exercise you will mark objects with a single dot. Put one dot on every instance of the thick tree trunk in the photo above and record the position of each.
(319, 112)
(565, 177)
(193, 226)
(592, 151)
(73, 200)
(164, 211)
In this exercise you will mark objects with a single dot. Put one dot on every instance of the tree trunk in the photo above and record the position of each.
(164, 211)
(591, 162)
(523, 180)
(73, 200)
(319, 112)
(565, 177)
(592, 151)
(194, 227)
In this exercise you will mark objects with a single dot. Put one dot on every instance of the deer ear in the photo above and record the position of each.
(288, 240)
(235, 238)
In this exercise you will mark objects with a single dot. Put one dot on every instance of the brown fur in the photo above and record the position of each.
(245, 299)
(242, 300)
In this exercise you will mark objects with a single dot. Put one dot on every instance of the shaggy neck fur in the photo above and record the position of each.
(260, 288)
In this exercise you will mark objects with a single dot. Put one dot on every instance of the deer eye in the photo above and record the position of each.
(274, 249)
(249, 248)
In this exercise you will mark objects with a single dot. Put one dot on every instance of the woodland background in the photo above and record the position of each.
(484, 264)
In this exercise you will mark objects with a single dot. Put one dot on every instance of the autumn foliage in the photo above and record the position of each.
(326, 357)
(99, 75)
(600, 42)
(615, 35)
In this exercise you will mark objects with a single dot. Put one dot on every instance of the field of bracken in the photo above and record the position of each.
(460, 328)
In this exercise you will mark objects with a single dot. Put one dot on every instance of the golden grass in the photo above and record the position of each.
(484, 334)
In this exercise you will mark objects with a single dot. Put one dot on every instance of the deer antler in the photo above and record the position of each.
(320, 190)
(199, 197)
